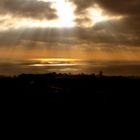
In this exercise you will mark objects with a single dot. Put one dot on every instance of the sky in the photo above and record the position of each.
(81, 29)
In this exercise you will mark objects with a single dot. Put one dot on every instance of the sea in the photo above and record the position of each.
(12, 67)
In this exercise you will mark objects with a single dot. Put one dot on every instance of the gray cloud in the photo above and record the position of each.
(128, 9)
(131, 7)
(126, 30)
(105, 33)
(27, 9)
(82, 5)
(108, 33)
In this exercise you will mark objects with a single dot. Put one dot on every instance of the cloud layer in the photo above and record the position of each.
(27, 9)
(110, 33)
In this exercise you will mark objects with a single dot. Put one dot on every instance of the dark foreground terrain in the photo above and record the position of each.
(64, 88)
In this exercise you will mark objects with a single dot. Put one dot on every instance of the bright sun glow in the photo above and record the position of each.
(65, 12)
(66, 17)
(96, 15)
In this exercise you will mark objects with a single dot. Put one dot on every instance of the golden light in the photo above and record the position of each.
(52, 60)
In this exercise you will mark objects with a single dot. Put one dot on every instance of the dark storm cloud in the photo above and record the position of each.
(27, 9)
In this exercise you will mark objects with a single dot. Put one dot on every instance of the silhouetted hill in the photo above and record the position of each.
(67, 88)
